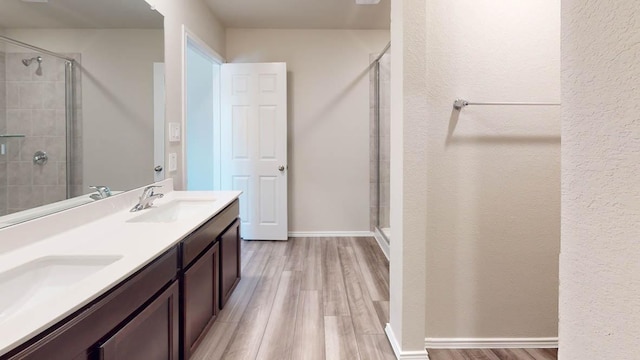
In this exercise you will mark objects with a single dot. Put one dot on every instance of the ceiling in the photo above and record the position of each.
(301, 14)
(79, 14)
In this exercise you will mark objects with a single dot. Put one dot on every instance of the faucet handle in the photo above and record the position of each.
(104, 191)
(148, 191)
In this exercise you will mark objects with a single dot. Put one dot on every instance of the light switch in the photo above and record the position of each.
(174, 132)
(173, 162)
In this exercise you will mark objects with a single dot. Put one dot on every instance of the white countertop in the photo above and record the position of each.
(109, 234)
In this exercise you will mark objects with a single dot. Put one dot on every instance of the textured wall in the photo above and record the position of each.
(492, 172)
(328, 129)
(600, 261)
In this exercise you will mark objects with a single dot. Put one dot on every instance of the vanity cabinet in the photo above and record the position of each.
(118, 320)
(160, 312)
(203, 272)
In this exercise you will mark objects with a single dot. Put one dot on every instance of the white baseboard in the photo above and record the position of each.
(490, 343)
(330, 234)
(384, 246)
(403, 355)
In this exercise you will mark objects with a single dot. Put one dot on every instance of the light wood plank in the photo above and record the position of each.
(279, 320)
(333, 289)
(375, 347)
(382, 309)
(312, 271)
(441, 354)
(542, 354)
(339, 339)
(374, 267)
(513, 354)
(278, 248)
(478, 354)
(295, 254)
(492, 354)
(215, 342)
(277, 342)
(363, 313)
(250, 331)
(251, 276)
(308, 342)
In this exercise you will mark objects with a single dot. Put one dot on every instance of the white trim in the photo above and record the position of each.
(491, 343)
(330, 234)
(159, 123)
(403, 355)
(382, 242)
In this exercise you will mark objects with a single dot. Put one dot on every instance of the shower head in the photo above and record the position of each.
(28, 62)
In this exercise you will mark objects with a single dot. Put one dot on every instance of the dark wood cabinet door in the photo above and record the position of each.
(229, 261)
(152, 334)
(200, 299)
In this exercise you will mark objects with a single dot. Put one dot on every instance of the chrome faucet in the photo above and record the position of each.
(103, 192)
(147, 198)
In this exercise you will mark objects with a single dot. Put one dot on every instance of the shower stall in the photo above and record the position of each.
(39, 147)
(380, 143)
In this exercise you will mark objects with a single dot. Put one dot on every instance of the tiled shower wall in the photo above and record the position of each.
(380, 170)
(3, 141)
(35, 108)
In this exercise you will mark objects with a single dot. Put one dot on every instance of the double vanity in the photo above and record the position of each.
(102, 282)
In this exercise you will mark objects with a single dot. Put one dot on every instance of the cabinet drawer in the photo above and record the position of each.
(152, 334)
(200, 239)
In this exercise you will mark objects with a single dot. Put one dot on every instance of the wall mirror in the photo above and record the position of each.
(68, 125)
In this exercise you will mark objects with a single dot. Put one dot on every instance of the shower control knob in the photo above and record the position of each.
(40, 158)
(157, 168)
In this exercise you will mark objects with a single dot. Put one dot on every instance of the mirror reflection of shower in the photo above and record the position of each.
(28, 62)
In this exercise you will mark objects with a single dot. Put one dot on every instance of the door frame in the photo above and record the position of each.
(159, 120)
(189, 37)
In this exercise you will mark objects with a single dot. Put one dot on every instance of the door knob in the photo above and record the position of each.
(281, 168)
(158, 168)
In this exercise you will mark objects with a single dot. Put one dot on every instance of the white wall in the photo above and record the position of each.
(198, 18)
(599, 265)
(116, 74)
(328, 100)
(480, 188)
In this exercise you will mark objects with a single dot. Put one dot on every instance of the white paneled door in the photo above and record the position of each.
(253, 131)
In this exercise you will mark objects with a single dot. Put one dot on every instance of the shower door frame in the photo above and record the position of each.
(376, 95)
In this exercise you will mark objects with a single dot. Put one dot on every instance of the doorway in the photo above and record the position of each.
(202, 114)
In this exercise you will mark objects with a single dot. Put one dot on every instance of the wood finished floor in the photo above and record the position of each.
(494, 354)
(316, 298)
(306, 298)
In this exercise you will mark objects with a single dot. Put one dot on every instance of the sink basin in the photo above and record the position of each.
(174, 211)
(39, 280)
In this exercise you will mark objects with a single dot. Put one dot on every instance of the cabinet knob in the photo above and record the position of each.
(281, 168)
